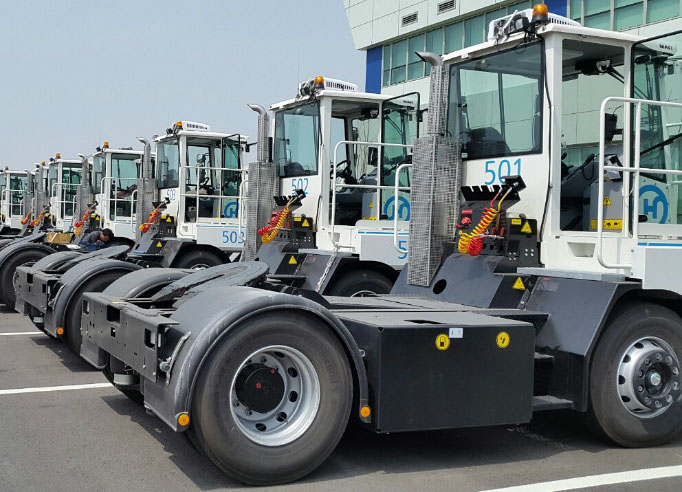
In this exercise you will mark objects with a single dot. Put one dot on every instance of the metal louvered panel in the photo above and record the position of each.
(410, 19)
(445, 6)
(262, 187)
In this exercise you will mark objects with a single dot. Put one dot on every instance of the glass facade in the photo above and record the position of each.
(622, 14)
(400, 64)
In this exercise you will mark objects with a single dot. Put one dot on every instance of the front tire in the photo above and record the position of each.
(198, 260)
(635, 377)
(273, 399)
(361, 283)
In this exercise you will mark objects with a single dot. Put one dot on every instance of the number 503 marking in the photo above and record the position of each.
(496, 171)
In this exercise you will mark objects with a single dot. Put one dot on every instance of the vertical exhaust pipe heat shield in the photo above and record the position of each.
(262, 187)
(436, 183)
(146, 189)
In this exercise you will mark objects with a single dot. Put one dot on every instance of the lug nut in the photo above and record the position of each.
(676, 385)
(668, 360)
(647, 361)
(640, 388)
(647, 400)
(676, 371)
(657, 403)
(659, 356)
(669, 399)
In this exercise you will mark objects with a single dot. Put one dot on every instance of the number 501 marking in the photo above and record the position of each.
(505, 168)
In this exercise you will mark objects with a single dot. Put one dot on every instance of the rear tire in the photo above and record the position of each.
(198, 260)
(273, 399)
(72, 320)
(642, 346)
(7, 292)
(361, 283)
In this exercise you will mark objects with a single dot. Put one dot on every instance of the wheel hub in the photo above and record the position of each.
(648, 377)
(275, 395)
(259, 387)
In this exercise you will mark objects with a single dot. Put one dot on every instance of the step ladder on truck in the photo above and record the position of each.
(186, 212)
(340, 149)
(505, 274)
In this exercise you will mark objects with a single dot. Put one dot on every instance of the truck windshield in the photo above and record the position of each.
(297, 137)
(98, 164)
(495, 103)
(168, 160)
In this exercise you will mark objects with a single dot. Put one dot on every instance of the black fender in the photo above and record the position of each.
(54, 260)
(176, 247)
(23, 244)
(72, 280)
(221, 310)
(128, 286)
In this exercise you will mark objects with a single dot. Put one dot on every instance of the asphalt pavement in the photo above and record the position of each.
(63, 428)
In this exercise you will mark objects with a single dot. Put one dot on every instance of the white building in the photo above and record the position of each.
(390, 31)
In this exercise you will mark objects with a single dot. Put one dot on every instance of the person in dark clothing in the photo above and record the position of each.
(101, 239)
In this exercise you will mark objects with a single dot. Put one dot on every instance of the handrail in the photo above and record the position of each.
(59, 200)
(636, 170)
(396, 191)
(240, 205)
(377, 187)
(107, 199)
(196, 194)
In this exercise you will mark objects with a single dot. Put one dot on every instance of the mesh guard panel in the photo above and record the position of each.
(436, 160)
(261, 188)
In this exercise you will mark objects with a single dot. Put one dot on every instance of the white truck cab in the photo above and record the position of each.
(13, 186)
(63, 179)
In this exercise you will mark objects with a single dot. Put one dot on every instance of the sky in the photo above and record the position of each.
(75, 73)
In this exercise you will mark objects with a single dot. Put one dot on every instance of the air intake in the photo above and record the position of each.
(410, 19)
(445, 6)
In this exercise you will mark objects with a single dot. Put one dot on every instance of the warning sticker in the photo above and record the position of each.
(442, 342)
(526, 228)
(306, 223)
(607, 201)
(159, 245)
(503, 339)
(292, 260)
(519, 285)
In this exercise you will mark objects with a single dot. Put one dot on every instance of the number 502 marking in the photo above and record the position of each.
(497, 171)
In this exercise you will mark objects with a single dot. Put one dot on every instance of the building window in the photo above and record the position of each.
(400, 62)
(622, 14)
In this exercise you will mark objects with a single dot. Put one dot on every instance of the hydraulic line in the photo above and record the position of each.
(270, 231)
(472, 243)
(24, 221)
(153, 218)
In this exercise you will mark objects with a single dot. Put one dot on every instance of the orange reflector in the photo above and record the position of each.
(60, 331)
(365, 412)
(183, 420)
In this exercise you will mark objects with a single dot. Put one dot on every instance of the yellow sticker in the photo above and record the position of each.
(292, 260)
(306, 223)
(371, 205)
(159, 245)
(607, 201)
(442, 342)
(168, 219)
(519, 285)
(526, 228)
(503, 339)
(608, 224)
(516, 221)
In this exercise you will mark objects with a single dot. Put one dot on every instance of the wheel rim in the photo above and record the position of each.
(275, 395)
(648, 377)
(364, 293)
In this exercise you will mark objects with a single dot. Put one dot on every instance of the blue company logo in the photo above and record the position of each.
(403, 208)
(230, 211)
(652, 205)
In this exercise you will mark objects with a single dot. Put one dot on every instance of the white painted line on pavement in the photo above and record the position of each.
(597, 480)
(48, 389)
(21, 333)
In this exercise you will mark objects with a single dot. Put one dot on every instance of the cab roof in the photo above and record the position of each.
(348, 95)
